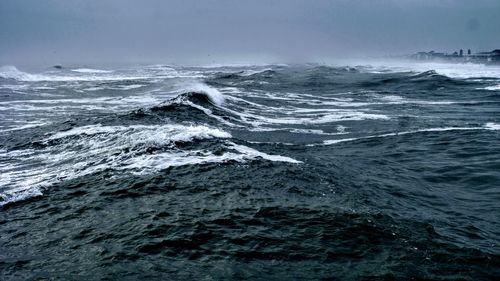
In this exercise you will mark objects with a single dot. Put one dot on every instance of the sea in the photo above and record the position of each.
(363, 171)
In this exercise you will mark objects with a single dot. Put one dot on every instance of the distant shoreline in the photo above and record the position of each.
(486, 58)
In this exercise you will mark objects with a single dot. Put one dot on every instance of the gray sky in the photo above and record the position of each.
(187, 31)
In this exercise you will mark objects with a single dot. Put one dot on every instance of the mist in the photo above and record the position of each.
(222, 31)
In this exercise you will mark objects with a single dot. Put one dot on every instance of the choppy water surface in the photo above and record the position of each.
(250, 172)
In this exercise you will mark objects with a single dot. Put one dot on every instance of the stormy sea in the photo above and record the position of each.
(260, 172)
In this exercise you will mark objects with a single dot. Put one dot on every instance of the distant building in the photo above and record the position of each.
(493, 56)
(480, 57)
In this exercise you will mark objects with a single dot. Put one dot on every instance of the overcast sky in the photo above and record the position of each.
(177, 31)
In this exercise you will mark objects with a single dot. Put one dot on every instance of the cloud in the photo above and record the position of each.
(189, 31)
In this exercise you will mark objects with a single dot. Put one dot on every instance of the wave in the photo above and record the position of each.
(11, 72)
(243, 112)
(246, 74)
(135, 149)
(332, 70)
(428, 80)
(429, 75)
(212, 94)
(89, 149)
(314, 74)
(24, 125)
(200, 98)
(492, 126)
(91, 70)
(164, 133)
(451, 70)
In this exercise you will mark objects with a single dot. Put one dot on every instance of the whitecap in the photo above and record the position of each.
(492, 126)
(452, 70)
(11, 72)
(27, 125)
(19, 194)
(90, 70)
(493, 88)
(195, 86)
(130, 87)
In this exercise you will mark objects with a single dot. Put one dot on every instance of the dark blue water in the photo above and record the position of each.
(250, 172)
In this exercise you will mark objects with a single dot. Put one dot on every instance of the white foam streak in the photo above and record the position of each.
(487, 126)
(267, 115)
(146, 164)
(253, 72)
(90, 70)
(250, 153)
(25, 126)
(493, 88)
(321, 119)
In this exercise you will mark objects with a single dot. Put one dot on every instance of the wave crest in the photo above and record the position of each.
(11, 72)
(136, 149)
(198, 89)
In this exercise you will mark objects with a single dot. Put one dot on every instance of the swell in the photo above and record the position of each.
(134, 142)
(199, 179)
(424, 80)
(246, 75)
(277, 73)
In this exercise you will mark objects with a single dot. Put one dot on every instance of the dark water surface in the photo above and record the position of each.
(250, 172)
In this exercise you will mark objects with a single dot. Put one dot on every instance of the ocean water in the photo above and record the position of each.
(264, 172)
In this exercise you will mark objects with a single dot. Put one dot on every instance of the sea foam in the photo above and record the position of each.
(136, 149)
(11, 72)
(487, 126)
(195, 86)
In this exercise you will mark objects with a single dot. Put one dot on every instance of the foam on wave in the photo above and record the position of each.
(90, 70)
(213, 94)
(492, 126)
(451, 70)
(493, 88)
(136, 149)
(144, 132)
(11, 72)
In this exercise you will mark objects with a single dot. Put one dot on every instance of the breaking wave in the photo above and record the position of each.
(138, 149)
(90, 70)
(11, 72)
